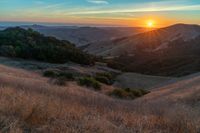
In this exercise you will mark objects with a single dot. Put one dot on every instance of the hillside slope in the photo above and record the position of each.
(29, 44)
(29, 103)
(85, 35)
(148, 41)
(81, 36)
(134, 80)
(122, 79)
(186, 90)
(158, 53)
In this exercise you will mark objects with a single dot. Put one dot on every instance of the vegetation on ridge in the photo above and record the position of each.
(29, 44)
(128, 93)
(89, 82)
(106, 78)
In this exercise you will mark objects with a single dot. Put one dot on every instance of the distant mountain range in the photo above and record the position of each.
(82, 36)
(158, 39)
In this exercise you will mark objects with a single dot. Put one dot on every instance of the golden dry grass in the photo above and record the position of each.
(29, 103)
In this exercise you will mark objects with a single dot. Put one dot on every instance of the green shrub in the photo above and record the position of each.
(106, 74)
(128, 93)
(7, 50)
(57, 74)
(59, 78)
(105, 78)
(119, 93)
(50, 73)
(67, 76)
(89, 82)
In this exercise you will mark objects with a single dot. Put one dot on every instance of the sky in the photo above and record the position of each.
(134, 13)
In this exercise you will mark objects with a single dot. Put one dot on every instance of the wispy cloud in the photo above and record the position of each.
(54, 5)
(141, 9)
(98, 1)
(106, 11)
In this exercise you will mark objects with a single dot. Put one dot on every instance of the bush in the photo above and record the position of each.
(119, 93)
(67, 76)
(57, 74)
(7, 51)
(128, 93)
(105, 78)
(50, 73)
(89, 82)
(59, 78)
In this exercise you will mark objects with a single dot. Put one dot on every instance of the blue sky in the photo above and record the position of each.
(102, 12)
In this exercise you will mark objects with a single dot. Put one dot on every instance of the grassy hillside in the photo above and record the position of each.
(179, 60)
(28, 44)
(147, 41)
(171, 51)
(134, 80)
(29, 103)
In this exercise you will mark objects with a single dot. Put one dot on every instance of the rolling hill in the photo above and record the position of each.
(30, 103)
(148, 41)
(81, 36)
(135, 80)
(84, 35)
(178, 59)
(29, 44)
(171, 51)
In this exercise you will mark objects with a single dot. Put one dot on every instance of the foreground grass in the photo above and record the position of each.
(28, 103)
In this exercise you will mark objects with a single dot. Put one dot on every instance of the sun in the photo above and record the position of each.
(150, 23)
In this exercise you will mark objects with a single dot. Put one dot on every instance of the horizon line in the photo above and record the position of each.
(48, 24)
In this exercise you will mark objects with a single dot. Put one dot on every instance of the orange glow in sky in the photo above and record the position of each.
(136, 13)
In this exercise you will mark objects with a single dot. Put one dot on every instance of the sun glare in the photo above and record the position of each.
(150, 23)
